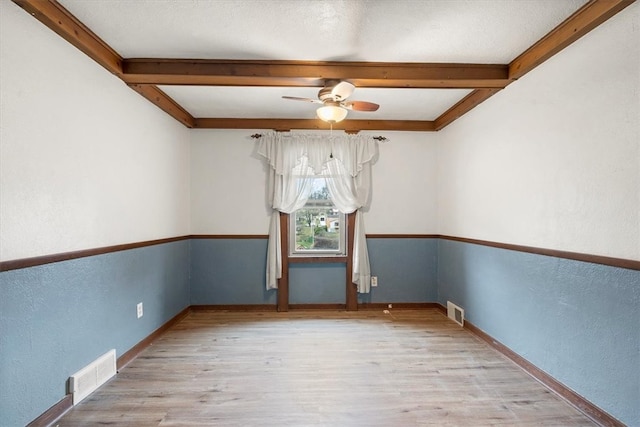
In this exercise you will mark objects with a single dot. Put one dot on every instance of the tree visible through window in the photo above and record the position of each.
(318, 227)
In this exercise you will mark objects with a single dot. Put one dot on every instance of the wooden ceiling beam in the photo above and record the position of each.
(312, 73)
(165, 103)
(143, 74)
(314, 124)
(577, 25)
(60, 20)
(463, 106)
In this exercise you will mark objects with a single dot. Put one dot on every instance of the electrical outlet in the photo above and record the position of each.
(139, 310)
(374, 281)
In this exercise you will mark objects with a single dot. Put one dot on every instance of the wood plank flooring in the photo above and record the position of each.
(321, 368)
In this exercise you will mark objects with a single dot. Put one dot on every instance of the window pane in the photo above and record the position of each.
(319, 190)
(318, 227)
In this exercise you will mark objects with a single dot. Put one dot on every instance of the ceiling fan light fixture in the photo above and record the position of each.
(332, 113)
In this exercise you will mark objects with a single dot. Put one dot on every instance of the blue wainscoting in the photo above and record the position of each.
(406, 270)
(577, 321)
(317, 283)
(57, 318)
(229, 271)
(232, 271)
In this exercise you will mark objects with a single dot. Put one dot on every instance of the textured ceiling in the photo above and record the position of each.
(469, 31)
(426, 31)
(267, 102)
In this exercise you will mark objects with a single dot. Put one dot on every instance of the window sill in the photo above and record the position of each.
(317, 259)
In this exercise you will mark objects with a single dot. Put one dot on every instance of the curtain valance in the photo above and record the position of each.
(285, 151)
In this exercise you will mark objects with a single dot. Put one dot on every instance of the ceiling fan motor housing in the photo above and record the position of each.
(336, 90)
(325, 94)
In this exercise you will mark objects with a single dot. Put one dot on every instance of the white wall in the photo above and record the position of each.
(553, 160)
(228, 183)
(405, 185)
(85, 162)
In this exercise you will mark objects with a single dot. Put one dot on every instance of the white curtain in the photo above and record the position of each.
(345, 162)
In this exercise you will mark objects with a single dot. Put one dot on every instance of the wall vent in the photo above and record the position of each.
(88, 379)
(455, 313)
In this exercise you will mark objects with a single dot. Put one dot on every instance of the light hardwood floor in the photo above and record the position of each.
(322, 368)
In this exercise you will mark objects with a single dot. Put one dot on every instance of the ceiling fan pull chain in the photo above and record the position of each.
(331, 139)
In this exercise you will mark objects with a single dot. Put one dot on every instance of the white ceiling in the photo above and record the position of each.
(267, 102)
(460, 31)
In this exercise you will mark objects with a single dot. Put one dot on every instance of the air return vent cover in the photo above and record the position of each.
(455, 313)
(88, 379)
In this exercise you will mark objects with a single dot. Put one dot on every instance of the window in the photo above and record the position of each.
(318, 228)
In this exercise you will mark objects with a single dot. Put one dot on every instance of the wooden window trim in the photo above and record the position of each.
(283, 282)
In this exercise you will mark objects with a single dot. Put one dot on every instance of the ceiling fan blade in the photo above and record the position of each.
(342, 91)
(295, 98)
(360, 106)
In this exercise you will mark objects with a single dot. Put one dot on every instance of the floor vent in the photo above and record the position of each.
(88, 379)
(455, 313)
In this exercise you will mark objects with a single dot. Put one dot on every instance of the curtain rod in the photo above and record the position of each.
(377, 138)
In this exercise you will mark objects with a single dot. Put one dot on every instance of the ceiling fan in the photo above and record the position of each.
(333, 96)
